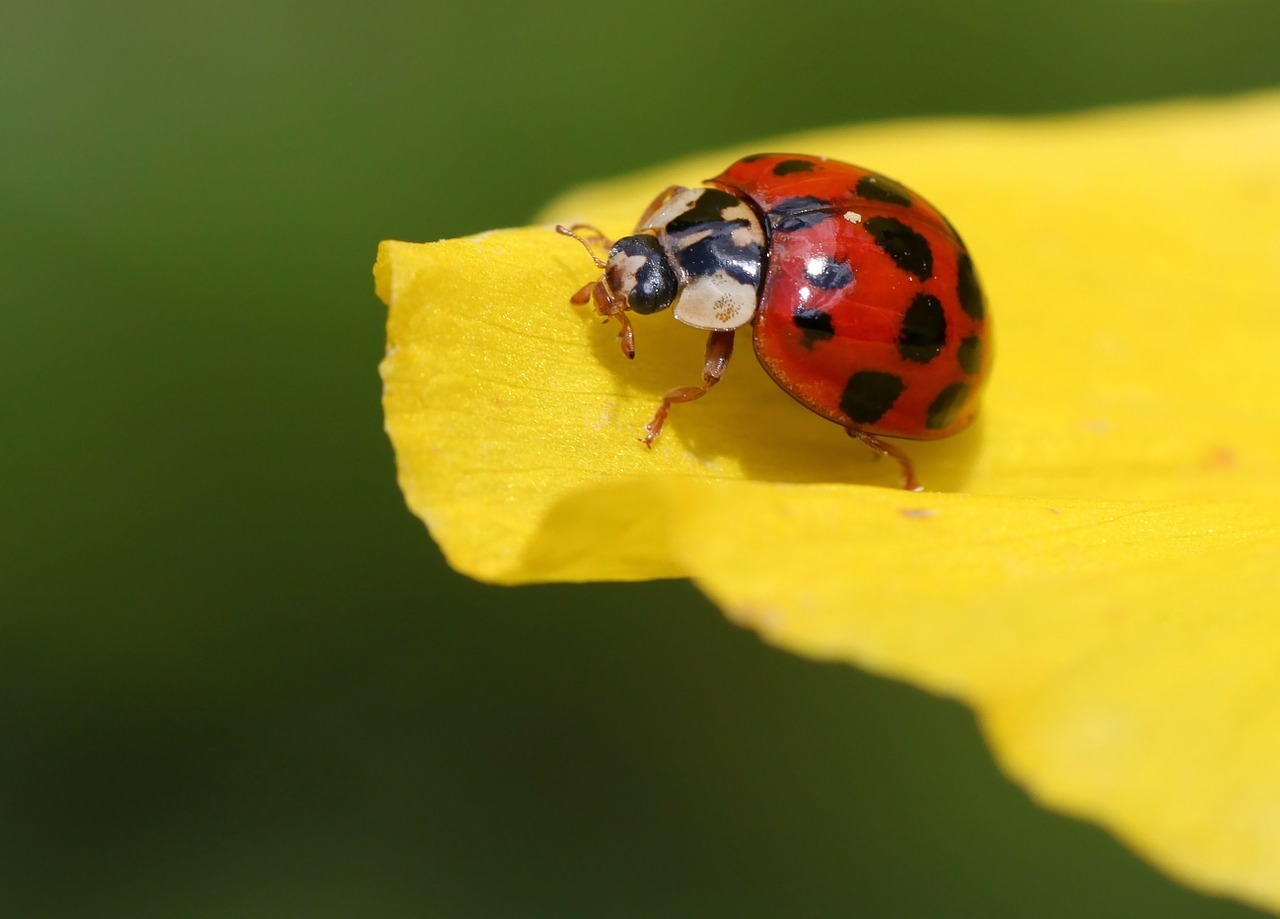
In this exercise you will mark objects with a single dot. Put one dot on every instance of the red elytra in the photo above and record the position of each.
(863, 300)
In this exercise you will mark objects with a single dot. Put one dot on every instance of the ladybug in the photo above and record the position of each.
(863, 301)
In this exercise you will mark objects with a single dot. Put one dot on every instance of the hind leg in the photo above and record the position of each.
(884, 448)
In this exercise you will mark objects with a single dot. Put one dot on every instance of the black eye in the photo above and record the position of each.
(639, 271)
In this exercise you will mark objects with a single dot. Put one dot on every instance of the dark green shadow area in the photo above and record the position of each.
(236, 677)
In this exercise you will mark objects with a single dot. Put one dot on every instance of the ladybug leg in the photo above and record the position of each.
(595, 291)
(719, 350)
(884, 448)
(584, 294)
(606, 308)
(626, 337)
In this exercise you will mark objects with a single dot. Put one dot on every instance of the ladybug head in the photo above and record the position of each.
(639, 274)
(636, 276)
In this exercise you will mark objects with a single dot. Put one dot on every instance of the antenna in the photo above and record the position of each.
(599, 238)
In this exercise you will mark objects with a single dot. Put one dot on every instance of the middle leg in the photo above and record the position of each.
(719, 350)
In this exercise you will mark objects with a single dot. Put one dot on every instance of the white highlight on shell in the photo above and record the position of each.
(853, 216)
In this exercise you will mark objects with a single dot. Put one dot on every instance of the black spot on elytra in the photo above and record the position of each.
(708, 207)
(815, 324)
(786, 167)
(869, 394)
(942, 410)
(970, 354)
(754, 156)
(967, 288)
(798, 213)
(828, 273)
(924, 330)
(879, 188)
(909, 250)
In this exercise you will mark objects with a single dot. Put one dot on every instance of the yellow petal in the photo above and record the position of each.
(1095, 566)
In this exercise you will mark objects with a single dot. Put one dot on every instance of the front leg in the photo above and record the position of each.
(719, 350)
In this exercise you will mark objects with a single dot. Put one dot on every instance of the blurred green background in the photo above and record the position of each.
(237, 678)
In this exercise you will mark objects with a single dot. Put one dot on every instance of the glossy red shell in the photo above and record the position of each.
(871, 313)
